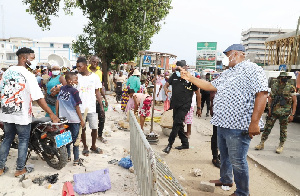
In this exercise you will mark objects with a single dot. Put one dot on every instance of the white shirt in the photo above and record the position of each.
(18, 89)
(235, 97)
(120, 79)
(86, 87)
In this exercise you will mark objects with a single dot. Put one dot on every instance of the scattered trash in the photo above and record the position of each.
(131, 169)
(68, 189)
(29, 168)
(107, 134)
(34, 157)
(181, 178)
(26, 183)
(197, 172)
(39, 180)
(88, 183)
(52, 179)
(50, 186)
(114, 161)
(225, 188)
(22, 178)
(125, 162)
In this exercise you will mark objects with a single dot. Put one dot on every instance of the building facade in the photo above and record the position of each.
(254, 39)
(43, 48)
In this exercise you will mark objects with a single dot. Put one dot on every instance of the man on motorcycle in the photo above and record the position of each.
(18, 89)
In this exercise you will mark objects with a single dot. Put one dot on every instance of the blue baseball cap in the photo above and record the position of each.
(237, 47)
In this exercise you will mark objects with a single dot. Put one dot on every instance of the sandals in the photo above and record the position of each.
(86, 153)
(78, 162)
(97, 150)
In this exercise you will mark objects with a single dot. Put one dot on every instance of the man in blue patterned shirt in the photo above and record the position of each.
(240, 100)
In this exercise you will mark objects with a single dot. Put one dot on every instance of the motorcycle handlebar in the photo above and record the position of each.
(62, 121)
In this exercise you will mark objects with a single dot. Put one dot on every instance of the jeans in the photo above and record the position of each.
(101, 119)
(10, 130)
(178, 127)
(233, 148)
(74, 129)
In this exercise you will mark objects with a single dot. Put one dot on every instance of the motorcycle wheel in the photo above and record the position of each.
(58, 157)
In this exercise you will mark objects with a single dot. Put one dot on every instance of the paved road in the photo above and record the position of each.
(285, 165)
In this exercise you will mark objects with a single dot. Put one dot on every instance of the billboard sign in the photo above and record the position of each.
(206, 55)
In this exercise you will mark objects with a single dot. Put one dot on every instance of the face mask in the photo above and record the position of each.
(178, 74)
(231, 59)
(284, 80)
(74, 85)
(56, 72)
(225, 61)
(32, 65)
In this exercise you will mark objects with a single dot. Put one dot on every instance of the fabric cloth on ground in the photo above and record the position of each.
(88, 183)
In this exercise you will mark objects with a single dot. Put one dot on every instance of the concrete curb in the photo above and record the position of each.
(253, 158)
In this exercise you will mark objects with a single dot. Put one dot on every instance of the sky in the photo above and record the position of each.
(189, 22)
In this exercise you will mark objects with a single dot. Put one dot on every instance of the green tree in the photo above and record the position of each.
(116, 30)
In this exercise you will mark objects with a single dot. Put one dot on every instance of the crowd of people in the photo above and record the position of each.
(235, 99)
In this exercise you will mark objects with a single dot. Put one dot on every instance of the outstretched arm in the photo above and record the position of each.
(202, 84)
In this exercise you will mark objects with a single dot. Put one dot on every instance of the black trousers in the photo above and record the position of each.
(214, 142)
(179, 114)
(205, 98)
(101, 119)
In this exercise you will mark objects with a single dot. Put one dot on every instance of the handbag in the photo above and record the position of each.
(51, 100)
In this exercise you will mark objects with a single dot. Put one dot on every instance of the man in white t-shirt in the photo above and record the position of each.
(18, 89)
(89, 86)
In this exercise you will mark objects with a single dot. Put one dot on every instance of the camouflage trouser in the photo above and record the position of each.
(283, 121)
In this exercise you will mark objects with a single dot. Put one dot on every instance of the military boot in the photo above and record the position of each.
(280, 148)
(260, 146)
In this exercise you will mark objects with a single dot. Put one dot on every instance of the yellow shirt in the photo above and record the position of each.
(98, 72)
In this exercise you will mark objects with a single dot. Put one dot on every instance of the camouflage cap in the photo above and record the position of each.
(284, 74)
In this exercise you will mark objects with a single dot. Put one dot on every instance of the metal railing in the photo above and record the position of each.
(153, 175)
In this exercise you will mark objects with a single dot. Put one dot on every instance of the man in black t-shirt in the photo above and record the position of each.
(182, 93)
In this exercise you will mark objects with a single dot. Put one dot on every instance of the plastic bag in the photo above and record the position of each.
(125, 162)
(88, 183)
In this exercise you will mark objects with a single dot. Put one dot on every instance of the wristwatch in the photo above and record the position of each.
(199, 108)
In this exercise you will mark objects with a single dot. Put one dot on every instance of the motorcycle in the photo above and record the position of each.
(48, 140)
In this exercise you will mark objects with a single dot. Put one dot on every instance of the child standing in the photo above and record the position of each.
(67, 105)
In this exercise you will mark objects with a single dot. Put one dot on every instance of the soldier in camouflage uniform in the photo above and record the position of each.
(282, 106)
